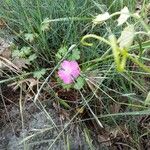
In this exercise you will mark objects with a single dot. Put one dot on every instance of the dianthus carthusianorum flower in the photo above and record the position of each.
(69, 70)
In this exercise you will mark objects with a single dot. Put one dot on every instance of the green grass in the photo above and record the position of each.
(27, 16)
(69, 21)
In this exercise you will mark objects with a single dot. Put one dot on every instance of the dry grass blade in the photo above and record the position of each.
(9, 64)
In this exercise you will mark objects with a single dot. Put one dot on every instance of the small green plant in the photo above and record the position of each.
(30, 37)
(25, 54)
(40, 73)
(69, 71)
(107, 75)
(121, 46)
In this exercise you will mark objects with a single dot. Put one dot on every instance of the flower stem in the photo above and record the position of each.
(95, 37)
(144, 67)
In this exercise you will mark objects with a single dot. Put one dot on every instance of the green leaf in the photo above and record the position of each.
(29, 37)
(45, 24)
(26, 50)
(79, 83)
(64, 103)
(38, 74)
(147, 101)
(75, 55)
(115, 51)
(32, 57)
(66, 86)
(16, 53)
(61, 52)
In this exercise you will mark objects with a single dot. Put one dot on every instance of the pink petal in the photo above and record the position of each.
(75, 73)
(69, 71)
(67, 79)
(61, 74)
(74, 65)
(75, 69)
(65, 64)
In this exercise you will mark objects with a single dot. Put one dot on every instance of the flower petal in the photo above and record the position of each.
(67, 79)
(69, 71)
(65, 64)
(75, 73)
(74, 65)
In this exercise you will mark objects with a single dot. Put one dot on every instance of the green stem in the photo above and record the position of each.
(15, 78)
(115, 50)
(114, 14)
(98, 59)
(145, 25)
(144, 67)
(95, 37)
(70, 19)
(147, 28)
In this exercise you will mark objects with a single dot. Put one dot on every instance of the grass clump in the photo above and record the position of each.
(109, 39)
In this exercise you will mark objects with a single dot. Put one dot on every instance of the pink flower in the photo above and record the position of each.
(69, 71)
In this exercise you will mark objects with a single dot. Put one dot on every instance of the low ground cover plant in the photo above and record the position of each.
(89, 58)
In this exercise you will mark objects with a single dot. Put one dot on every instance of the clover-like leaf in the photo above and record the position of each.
(45, 24)
(75, 55)
(61, 52)
(16, 53)
(38, 74)
(22, 53)
(32, 57)
(30, 37)
(26, 50)
(79, 83)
